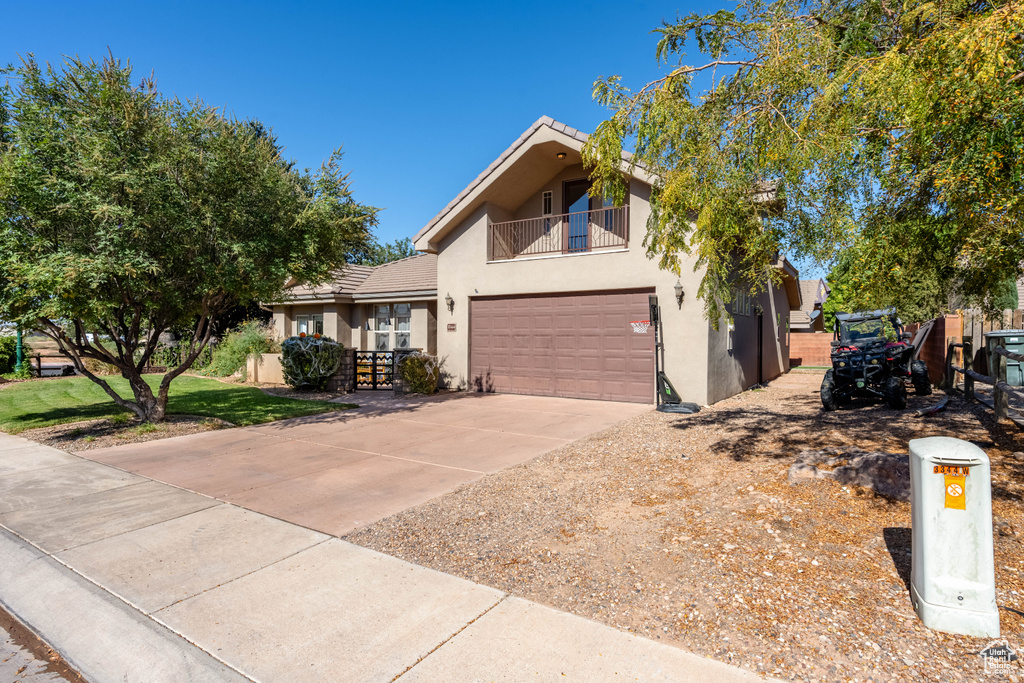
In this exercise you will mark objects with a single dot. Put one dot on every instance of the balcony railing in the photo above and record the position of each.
(567, 233)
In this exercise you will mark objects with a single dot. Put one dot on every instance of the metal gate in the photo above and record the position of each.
(374, 369)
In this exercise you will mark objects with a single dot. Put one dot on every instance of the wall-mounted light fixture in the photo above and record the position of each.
(449, 302)
(679, 293)
(560, 155)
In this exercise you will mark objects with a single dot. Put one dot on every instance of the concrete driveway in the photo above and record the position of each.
(341, 471)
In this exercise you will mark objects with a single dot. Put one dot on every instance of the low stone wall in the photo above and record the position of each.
(345, 379)
(266, 369)
(810, 348)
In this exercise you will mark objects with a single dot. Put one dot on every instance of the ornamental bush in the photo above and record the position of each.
(7, 357)
(308, 362)
(419, 372)
(250, 337)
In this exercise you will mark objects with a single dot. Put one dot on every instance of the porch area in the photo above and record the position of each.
(602, 229)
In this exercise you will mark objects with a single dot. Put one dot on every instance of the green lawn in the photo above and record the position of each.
(29, 405)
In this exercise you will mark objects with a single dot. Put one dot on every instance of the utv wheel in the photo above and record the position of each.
(828, 387)
(919, 377)
(895, 393)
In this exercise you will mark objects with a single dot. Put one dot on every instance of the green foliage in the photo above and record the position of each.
(124, 213)
(250, 337)
(917, 294)
(72, 399)
(1005, 297)
(419, 372)
(8, 356)
(376, 254)
(892, 130)
(308, 362)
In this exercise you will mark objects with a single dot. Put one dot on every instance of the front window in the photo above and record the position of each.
(403, 326)
(382, 328)
(309, 324)
(392, 327)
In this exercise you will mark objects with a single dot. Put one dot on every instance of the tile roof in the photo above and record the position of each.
(556, 126)
(809, 293)
(413, 274)
(343, 283)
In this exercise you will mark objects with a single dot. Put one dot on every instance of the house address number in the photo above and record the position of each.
(451, 327)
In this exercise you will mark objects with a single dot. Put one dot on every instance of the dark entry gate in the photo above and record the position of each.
(374, 369)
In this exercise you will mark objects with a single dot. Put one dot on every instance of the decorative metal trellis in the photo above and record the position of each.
(374, 369)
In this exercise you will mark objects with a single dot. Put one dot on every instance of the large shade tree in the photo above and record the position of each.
(889, 132)
(124, 213)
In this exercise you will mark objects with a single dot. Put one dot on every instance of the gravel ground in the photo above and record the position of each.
(684, 529)
(84, 436)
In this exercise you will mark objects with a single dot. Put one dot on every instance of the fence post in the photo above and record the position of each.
(968, 362)
(949, 378)
(1000, 400)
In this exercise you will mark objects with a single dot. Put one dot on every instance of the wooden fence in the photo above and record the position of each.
(1001, 391)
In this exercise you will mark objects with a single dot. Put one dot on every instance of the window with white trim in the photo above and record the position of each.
(392, 327)
(403, 326)
(382, 327)
(309, 324)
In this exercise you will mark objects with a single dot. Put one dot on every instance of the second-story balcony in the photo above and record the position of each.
(568, 233)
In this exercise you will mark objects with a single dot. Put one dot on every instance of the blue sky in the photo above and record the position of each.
(423, 96)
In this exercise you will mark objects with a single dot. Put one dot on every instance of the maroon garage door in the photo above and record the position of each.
(575, 345)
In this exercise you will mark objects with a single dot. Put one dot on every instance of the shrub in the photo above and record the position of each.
(7, 345)
(308, 362)
(8, 353)
(250, 337)
(98, 367)
(419, 372)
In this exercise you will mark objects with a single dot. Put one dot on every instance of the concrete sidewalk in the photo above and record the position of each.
(135, 580)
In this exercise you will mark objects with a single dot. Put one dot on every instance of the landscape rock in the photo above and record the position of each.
(884, 473)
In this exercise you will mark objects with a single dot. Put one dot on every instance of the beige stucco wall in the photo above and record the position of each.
(533, 206)
(265, 368)
(463, 271)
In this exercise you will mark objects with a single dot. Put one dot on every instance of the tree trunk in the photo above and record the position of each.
(148, 407)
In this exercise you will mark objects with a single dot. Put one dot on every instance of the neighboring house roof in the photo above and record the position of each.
(799, 319)
(558, 133)
(344, 283)
(413, 274)
(812, 293)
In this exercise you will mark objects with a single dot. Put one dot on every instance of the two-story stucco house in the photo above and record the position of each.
(537, 284)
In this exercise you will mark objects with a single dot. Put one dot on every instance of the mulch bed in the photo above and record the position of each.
(288, 392)
(90, 434)
(685, 530)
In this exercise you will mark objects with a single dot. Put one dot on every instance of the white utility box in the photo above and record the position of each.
(953, 583)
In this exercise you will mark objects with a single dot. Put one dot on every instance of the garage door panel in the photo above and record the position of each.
(575, 345)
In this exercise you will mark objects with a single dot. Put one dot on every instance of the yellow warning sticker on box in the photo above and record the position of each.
(956, 492)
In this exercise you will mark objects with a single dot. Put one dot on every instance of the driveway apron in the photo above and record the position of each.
(337, 472)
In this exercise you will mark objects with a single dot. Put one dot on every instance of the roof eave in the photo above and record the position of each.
(545, 129)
